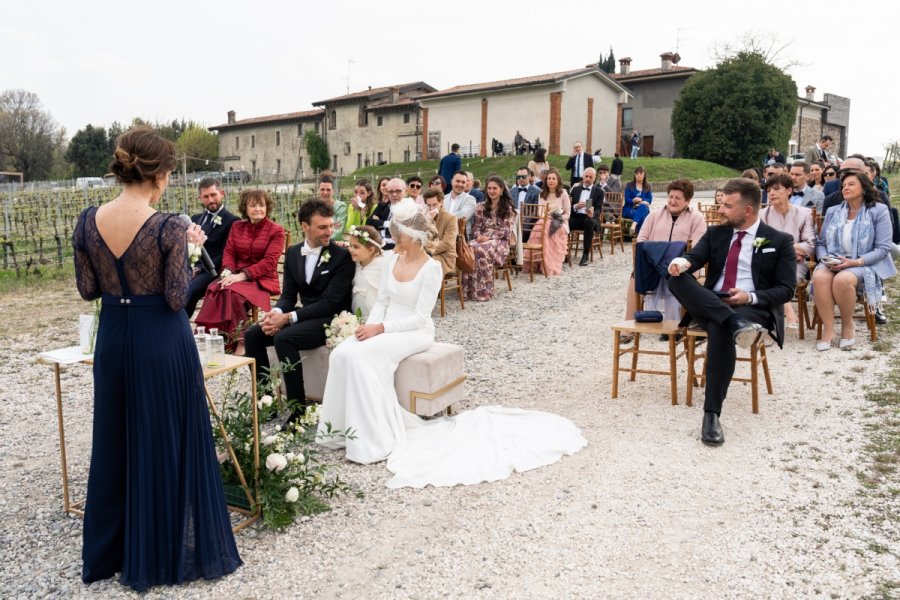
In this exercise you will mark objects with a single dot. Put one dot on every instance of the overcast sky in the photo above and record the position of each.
(98, 62)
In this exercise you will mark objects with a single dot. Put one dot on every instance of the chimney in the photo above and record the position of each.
(231, 115)
(667, 60)
(625, 65)
(395, 95)
(810, 92)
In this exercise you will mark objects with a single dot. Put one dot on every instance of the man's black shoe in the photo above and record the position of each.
(746, 332)
(711, 432)
(880, 317)
(584, 261)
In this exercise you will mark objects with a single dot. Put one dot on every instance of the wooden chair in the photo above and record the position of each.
(668, 328)
(756, 359)
(868, 315)
(452, 281)
(504, 271)
(710, 214)
(611, 220)
(575, 244)
(532, 215)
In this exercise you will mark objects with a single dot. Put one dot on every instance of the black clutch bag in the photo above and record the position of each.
(648, 316)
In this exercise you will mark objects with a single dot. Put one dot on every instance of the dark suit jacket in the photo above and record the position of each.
(596, 198)
(570, 165)
(774, 273)
(216, 236)
(532, 194)
(329, 291)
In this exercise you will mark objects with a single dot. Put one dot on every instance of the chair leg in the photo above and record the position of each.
(754, 379)
(615, 378)
(508, 280)
(443, 299)
(635, 347)
(673, 375)
(689, 392)
(765, 365)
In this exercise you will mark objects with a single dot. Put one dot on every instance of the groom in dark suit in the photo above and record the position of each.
(319, 274)
(750, 274)
(216, 223)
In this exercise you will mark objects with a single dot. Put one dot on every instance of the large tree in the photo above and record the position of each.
(734, 113)
(201, 147)
(317, 149)
(28, 134)
(89, 152)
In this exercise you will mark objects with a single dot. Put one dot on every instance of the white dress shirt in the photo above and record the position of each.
(744, 279)
(586, 198)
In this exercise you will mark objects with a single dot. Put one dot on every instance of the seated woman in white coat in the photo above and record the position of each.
(485, 444)
(366, 251)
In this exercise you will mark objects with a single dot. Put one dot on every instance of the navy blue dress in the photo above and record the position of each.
(155, 509)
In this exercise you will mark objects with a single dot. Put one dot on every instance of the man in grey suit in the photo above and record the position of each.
(803, 194)
(819, 151)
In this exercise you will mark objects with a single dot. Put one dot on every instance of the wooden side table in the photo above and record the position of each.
(224, 363)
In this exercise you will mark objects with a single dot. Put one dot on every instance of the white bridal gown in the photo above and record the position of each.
(485, 444)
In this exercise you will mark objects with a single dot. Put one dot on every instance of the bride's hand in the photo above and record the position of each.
(364, 332)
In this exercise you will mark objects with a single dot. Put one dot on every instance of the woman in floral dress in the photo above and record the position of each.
(491, 227)
(554, 231)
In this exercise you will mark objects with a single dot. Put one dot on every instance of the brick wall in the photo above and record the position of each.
(555, 122)
(589, 137)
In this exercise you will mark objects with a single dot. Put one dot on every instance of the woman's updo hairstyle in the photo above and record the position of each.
(142, 155)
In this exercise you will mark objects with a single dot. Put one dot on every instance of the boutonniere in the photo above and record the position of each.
(759, 243)
(325, 257)
(217, 220)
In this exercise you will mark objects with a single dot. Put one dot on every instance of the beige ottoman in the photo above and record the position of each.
(315, 369)
(430, 381)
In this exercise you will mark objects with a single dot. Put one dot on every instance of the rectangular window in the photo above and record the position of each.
(277, 138)
(380, 120)
(317, 126)
(237, 143)
(299, 129)
(278, 166)
(334, 162)
(253, 169)
(405, 118)
(406, 156)
(626, 118)
(253, 141)
(359, 161)
(363, 116)
(380, 157)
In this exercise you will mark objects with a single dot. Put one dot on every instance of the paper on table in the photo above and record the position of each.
(66, 356)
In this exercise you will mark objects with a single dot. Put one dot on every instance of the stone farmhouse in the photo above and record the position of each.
(414, 121)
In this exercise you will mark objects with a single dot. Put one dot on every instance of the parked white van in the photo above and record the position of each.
(83, 183)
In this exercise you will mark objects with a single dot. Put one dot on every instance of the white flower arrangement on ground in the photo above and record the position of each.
(292, 479)
(341, 327)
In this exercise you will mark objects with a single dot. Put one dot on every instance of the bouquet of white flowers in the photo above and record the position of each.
(342, 326)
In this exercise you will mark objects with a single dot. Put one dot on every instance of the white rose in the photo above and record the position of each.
(292, 494)
(301, 458)
(289, 456)
(269, 440)
(265, 400)
(276, 462)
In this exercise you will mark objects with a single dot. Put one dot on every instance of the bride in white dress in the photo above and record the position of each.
(485, 444)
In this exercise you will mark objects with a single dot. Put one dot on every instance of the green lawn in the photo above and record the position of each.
(658, 169)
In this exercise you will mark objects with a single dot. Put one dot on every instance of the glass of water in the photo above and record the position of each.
(215, 347)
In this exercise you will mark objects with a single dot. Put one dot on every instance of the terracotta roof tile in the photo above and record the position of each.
(653, 72)
(508, 83)
(375, 92)
(295, 116)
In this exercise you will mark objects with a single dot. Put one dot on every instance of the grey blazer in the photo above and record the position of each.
(878, 255)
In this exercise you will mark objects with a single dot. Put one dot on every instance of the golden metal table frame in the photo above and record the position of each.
(226, 363)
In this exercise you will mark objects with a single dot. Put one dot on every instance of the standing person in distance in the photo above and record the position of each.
(155, 509)
(750, 274)
(538, 165)
(449, 165)
(216, 222)
(635, 144)
(578, 162)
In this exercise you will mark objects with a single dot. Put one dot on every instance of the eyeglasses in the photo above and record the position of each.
(829, 174)
(521, 176)
(415, 186)
(390, 191)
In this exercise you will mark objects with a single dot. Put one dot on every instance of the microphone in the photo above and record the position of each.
(204, 255)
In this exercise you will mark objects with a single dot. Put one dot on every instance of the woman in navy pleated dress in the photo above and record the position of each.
(155, 509)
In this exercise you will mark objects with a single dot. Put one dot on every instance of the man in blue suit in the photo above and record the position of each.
(449, 165)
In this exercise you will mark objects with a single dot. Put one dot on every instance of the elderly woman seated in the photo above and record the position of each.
(794, 220)
(249, 269)
(675, 222)
(444, 248)
(853, 250)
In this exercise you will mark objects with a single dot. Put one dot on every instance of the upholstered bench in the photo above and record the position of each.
(430, 381)
(426, 383)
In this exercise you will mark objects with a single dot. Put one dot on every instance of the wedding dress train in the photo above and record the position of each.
(485, 444)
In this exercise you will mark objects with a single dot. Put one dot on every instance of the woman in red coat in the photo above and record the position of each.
(249, 269)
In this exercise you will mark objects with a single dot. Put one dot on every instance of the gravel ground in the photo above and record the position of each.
(645, 511)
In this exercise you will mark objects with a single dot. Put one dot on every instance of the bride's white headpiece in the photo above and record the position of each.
(407, 219)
